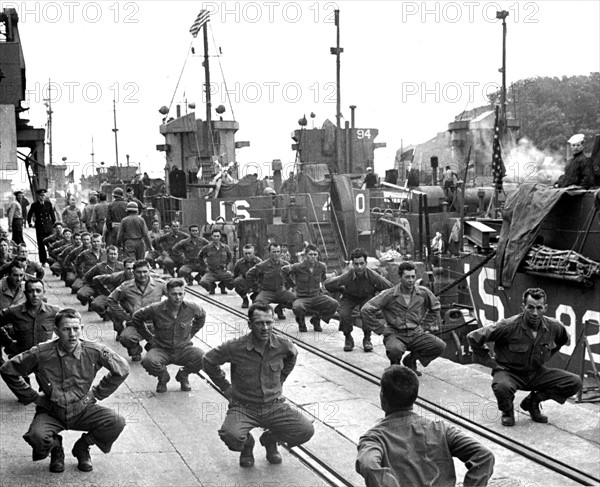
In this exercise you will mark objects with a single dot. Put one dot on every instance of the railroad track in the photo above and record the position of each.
(333, 477)
(542, 459)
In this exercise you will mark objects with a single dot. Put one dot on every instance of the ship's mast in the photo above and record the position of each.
(502, 15)
(207, 90)
(49, 112)
(92, 154)
(337, 51)
(115, 130)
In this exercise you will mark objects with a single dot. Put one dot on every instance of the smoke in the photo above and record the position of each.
(525, 163)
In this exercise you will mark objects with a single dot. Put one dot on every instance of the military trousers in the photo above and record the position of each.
(104, 426)
(282, 297)
(133, 248)
(157, 358)
(287, 425)
(547, 383)
(423, 346)
(322, 306)
(222, 276)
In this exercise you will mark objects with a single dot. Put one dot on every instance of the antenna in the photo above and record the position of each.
(49, 112)
(115, 130)
(92, 154)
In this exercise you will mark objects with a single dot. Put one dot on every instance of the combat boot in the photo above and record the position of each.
(245, 303)
(315, 321)
(367, 345)
(301, 324)
(270, 444)
(81, 451)
(279, 312)
(532, 406)
(57, 456)
(349, 343)
(411, 362)
(212, 288)
(246, 456)
(508, 418)
(183, 380)
(163, 380)
(223, 289)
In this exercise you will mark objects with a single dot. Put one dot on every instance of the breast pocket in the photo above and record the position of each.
(519, 353)
(274, 374)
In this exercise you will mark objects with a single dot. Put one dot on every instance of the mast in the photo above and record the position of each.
(207, 91)
(337, 51)
(49, 112)
(115, 130)
(502, 15)
(92, 154)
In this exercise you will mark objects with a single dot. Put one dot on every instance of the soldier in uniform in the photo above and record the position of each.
(130, 296)
(31, 321)
(168, 260)
(175, 322)
(357, 285)
(410, 312)
(522, 344)
(32, 268)
(45, 218)
(133, 234)
(254, 393)
(240, 270)
(67, 367)
(308, 277)
(99, 214)
(117, 210)
(87, 292)
(216, 256)
(187, 252)
(105, 284)
(88, 259)
(269, 278)
(15, 218)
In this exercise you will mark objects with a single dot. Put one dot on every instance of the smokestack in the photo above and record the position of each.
(352, 108)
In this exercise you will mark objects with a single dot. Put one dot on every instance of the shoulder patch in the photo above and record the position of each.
(106, 354)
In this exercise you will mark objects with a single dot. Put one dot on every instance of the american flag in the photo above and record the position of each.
(203, 18)
(498, 169)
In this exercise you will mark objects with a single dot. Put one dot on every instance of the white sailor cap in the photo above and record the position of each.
(576, 139)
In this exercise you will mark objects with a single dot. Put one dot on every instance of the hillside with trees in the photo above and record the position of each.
(551, 110)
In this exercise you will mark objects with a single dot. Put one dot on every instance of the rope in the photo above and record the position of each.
(462, 278)
(180, 75)
(218, 56)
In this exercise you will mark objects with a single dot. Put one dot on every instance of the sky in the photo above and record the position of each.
(409, 67)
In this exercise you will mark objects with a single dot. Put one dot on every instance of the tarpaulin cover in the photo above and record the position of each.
(245, 187)
(306, 184)
(523, 214)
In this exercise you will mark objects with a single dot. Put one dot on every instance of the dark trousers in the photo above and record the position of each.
(283, 297)
(40, 234)
(350, 310)
(285, 424)
(134, 249)
(423, 346)
(103, 425)
(17, 231)
(242, 286)
(322, 306)
(156, 359)
(546, 383)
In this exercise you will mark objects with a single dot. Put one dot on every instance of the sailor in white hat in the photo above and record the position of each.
(578, 171)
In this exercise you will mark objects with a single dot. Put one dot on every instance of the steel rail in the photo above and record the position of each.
(326, 472)
(562, 468)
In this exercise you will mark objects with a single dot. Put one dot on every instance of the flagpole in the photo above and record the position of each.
(207, 88)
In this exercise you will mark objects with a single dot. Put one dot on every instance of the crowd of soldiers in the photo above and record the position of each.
(122, 270)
